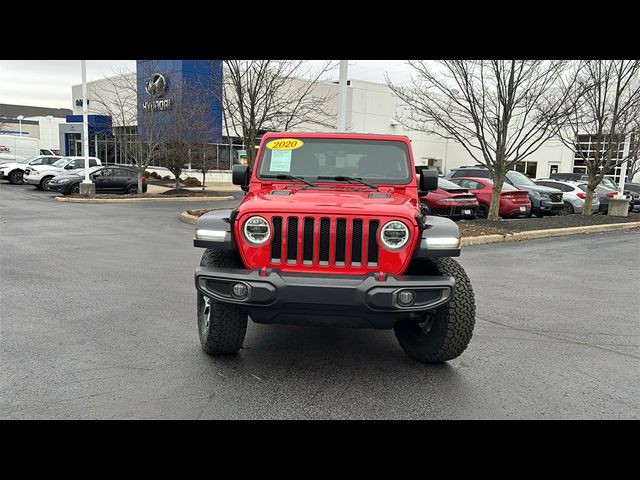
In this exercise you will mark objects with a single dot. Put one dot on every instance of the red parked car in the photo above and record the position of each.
(513, 203)
(450, 200)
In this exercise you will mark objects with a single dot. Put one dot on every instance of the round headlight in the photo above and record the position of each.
(394, 235)
(256, 231)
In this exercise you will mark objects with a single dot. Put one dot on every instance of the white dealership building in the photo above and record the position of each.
(371, 108)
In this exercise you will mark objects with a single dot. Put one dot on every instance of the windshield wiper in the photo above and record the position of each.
(344, 178)
(290, 177)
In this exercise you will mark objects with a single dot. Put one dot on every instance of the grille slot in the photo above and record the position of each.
(323, 253)
(292, 240)
(555, 197)
(372, 244)
(356, 243)
(341, 241)
(307, 242)
(276, 242)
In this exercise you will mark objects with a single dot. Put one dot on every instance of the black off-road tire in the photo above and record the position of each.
(226, 327)
(15, 177)
(445, 333)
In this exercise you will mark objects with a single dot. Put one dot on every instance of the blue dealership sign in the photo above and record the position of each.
(168, 89)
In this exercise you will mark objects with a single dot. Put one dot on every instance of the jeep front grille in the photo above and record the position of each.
(307, 241)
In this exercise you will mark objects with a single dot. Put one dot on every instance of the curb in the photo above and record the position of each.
(142, 200)
(554, 232)
(188, 218)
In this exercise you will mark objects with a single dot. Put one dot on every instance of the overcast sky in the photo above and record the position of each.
(47, 83)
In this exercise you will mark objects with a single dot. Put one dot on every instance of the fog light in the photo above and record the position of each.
(406, 298)
(239, 290)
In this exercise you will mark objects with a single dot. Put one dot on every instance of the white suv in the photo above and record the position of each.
(13, 171)
(41, 176)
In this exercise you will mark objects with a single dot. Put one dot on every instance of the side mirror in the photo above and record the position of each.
(428, 180)
(240, 175)
(68, 167)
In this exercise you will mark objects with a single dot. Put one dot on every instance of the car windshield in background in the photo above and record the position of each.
(447, 185)
(520, 179)
(27, 160)
(375, 161)
(607, 182)
(61, 163)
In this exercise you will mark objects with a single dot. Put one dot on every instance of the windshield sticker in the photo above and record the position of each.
(284, 144)
(280, 161)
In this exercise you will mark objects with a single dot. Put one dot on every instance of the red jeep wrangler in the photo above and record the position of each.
(330, 232)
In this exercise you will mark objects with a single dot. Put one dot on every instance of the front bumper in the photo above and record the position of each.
(549, 206)
(369, 301)
(32, 179)
(59, 187)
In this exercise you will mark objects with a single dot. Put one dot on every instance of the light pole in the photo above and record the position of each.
(342, 97)
(86, 187)
(20, 118)
(50, 117)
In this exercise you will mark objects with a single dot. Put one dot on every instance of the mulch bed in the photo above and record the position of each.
(169, 193)
(474, 228)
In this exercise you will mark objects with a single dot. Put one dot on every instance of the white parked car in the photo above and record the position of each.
(41, 176)
(14, 171)
(572, 195)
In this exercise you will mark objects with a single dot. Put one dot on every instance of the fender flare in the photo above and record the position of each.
(220, 222)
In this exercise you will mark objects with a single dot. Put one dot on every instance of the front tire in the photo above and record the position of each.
(221, 326)
(444, 333)
(15, 177)
(75, 189)
(44, 183)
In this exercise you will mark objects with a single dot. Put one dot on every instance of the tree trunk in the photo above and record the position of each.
(204, 176)
(586, 210)
(177, 181)
(494, 208)
(139, 181)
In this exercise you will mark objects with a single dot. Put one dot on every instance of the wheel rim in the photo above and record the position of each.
(132, 189)
(568, 208)
(17, 177)
(75, 189)
(205, 315)
(45, 183)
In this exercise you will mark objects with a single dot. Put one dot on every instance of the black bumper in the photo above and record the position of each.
(549, 207)
(336, 300)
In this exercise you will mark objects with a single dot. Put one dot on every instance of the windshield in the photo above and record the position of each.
(27, 160)
(375, 161)
(520, 179)
(61, 163)
(447, 185)
(607, 182)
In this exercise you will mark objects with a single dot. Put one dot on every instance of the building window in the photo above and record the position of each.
(588, 145)
(528, 168)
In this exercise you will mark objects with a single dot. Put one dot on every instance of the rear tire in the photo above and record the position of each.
(132, 189)
(444, 333)
(221, 326)
(15, 177)
(426, 209)
(483, 211)
(568, 209)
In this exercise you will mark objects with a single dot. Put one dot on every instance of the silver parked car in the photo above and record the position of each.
(572, 195)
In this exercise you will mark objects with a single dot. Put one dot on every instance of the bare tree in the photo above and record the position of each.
(205, 160)
(260, 95)
(500, 111)
(604, 114)
(117, 96)
(634, 152)
(190, 128)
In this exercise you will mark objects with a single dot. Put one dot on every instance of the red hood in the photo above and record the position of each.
(335, 201)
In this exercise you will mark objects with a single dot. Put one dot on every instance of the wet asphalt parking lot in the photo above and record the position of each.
(98, 321)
